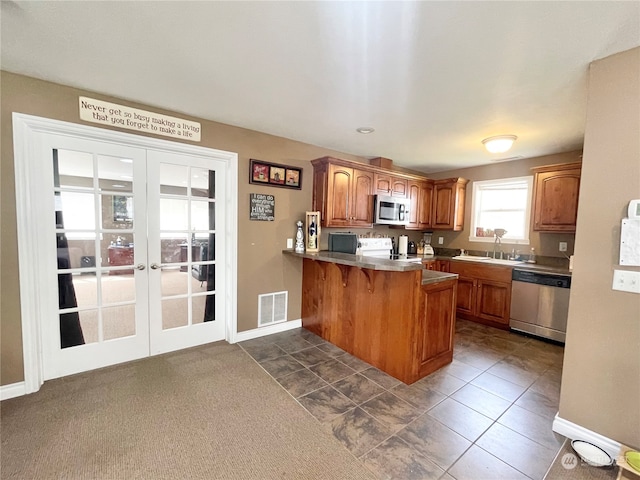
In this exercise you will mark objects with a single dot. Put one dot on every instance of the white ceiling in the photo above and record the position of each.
(432, 78)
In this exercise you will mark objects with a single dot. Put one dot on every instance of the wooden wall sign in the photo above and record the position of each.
(105, 113)
(262, 207)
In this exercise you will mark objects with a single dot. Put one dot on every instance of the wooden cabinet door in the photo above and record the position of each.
(339, 191)
(429, 264)
(425, 198)
(438, 316)
(466, 302)
(399, 187)
(556, 192)
(387, 184)
(493, 301)
(442, 265)
(442, 206)
(447, 212)
(382, 184)
(414, 205)
(361, 212)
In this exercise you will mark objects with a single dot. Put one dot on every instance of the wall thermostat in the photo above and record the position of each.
(634, 209)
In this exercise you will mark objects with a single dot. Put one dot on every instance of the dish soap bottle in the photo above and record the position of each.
(532, 256)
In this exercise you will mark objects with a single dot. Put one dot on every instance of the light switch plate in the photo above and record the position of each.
(440, 240)
(563, 246)
(289, 242)
(626, 281)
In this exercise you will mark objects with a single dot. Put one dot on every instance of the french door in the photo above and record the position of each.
(132, 259)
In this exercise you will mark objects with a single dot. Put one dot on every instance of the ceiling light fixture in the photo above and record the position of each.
(499, 143)
(365, 130)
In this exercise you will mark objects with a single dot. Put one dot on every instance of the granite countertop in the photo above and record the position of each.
(534, 267)
(432, 276)
(371, 263)
(407, 266)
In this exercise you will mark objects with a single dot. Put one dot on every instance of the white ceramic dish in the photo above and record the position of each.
(592, 454)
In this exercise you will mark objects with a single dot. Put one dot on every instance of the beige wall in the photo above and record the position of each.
(601, 375)
(545, 243)
(261, 266)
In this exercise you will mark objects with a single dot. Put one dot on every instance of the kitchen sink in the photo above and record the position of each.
(494, 261)
(501, 261)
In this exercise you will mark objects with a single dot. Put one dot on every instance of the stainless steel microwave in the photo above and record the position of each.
(390, 210)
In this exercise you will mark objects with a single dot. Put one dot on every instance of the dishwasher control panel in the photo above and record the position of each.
(540, 278)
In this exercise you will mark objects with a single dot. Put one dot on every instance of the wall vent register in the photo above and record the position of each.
(272, 308)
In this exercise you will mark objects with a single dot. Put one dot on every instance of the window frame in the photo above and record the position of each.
(478, 186)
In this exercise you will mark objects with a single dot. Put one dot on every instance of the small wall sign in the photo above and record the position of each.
(274, 175)
(105, 113)
(262, 207)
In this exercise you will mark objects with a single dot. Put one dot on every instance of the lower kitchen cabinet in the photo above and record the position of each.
(484, 293)
(437, 265)
(389, 319)
(436, 326)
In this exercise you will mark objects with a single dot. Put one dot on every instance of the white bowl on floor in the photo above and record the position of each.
(591, 454)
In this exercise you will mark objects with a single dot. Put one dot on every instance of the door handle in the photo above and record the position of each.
(140, 266)
(154, 266)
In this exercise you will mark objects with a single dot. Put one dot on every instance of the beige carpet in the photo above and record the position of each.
(119, 321)
(205, 413)
(581, 471)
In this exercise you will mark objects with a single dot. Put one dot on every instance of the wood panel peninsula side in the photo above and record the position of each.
(393, 315)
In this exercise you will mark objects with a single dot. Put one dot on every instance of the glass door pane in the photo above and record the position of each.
(102, 311)
(183, 236)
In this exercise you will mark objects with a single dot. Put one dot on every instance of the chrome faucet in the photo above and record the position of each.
(496, 242)
(499, 232)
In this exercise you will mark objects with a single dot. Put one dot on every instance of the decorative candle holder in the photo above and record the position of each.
(299, 238)
(312, 229)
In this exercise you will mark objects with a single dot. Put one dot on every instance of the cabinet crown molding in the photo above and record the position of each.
(369, 168)
(556, 167)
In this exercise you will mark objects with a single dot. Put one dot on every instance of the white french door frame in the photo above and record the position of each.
(28, 133)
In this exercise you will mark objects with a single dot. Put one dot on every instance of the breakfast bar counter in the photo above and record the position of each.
(392, 314)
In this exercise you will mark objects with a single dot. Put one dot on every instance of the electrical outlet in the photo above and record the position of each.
(626, 281)
(563, 246)
(440, 240)
(289, 242)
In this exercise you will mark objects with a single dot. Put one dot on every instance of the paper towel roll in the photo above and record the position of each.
(403, 243)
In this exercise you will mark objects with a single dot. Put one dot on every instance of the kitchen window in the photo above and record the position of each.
(503, 203)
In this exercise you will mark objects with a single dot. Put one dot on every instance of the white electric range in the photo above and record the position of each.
(382, 248)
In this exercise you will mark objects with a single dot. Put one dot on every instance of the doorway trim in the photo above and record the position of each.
(26, 142)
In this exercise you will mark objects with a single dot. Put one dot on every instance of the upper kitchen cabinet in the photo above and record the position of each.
(555, 197)
(448, 204)
(342, 194)
(420, 194)
(387, 184)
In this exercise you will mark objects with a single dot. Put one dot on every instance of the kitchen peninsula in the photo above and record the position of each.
(394, 315)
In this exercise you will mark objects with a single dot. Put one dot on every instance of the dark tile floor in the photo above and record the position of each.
(487, 415)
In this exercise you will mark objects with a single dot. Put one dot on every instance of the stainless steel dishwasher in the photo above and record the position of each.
(540, 303)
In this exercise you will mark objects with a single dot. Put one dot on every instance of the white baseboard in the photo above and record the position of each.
(271, 329)
(12, 390)
(577, 432)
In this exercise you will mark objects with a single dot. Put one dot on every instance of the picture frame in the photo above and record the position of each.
(275, 174)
